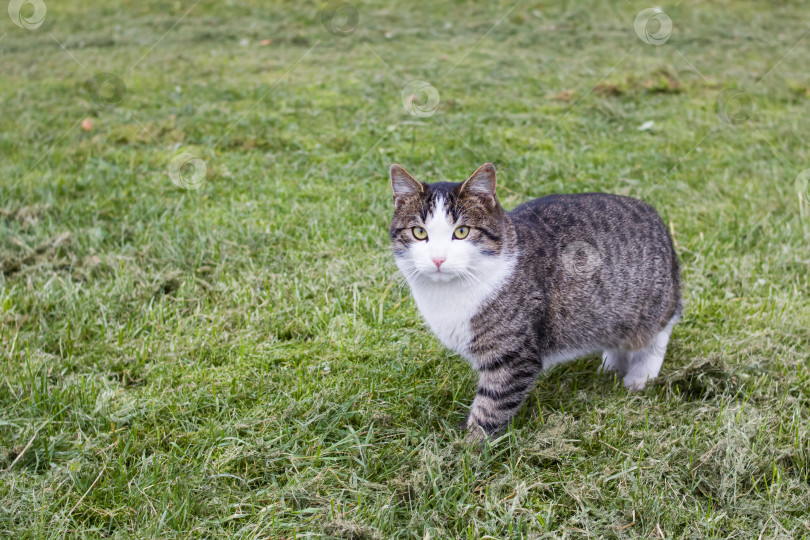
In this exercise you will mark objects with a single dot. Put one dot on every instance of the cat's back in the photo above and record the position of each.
(598, 257)
(603, 220)
(583, 209)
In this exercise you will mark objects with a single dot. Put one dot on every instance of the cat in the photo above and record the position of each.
(515, 293)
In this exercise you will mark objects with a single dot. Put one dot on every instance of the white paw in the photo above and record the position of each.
(611, 362)
(636, 381)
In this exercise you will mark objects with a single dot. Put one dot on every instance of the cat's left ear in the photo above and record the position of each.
(481, 183)
(403, 184)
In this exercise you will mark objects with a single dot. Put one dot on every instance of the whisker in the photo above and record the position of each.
(470, 274)
(496, 299)
(409, 272)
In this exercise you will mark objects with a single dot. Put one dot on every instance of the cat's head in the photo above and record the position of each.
(447, 230)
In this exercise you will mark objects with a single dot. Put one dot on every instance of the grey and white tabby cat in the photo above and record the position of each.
(518, 292)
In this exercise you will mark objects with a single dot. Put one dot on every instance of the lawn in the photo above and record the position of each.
(202, 330)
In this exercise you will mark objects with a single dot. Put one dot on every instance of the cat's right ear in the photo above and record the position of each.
(482, 183)
(403, 184)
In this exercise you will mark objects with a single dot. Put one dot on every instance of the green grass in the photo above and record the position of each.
(242, 360)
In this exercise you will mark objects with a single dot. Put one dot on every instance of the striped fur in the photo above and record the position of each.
(554, 279)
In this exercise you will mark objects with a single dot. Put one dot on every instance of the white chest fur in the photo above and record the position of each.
(448, 307)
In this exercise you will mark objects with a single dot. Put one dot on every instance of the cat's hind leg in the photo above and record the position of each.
(614, 361)
(644, 364)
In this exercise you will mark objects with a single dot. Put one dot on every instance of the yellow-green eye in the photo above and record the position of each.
(419, 233)
(461, 232)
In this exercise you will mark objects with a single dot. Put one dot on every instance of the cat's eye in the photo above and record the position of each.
(461, 232)
(419, 233)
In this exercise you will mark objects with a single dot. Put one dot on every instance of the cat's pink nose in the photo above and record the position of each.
(438, 261)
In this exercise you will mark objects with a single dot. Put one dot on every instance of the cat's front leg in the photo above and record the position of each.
(501, 392)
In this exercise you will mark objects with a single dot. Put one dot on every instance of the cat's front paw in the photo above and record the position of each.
(478, 434)
(475, 435)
